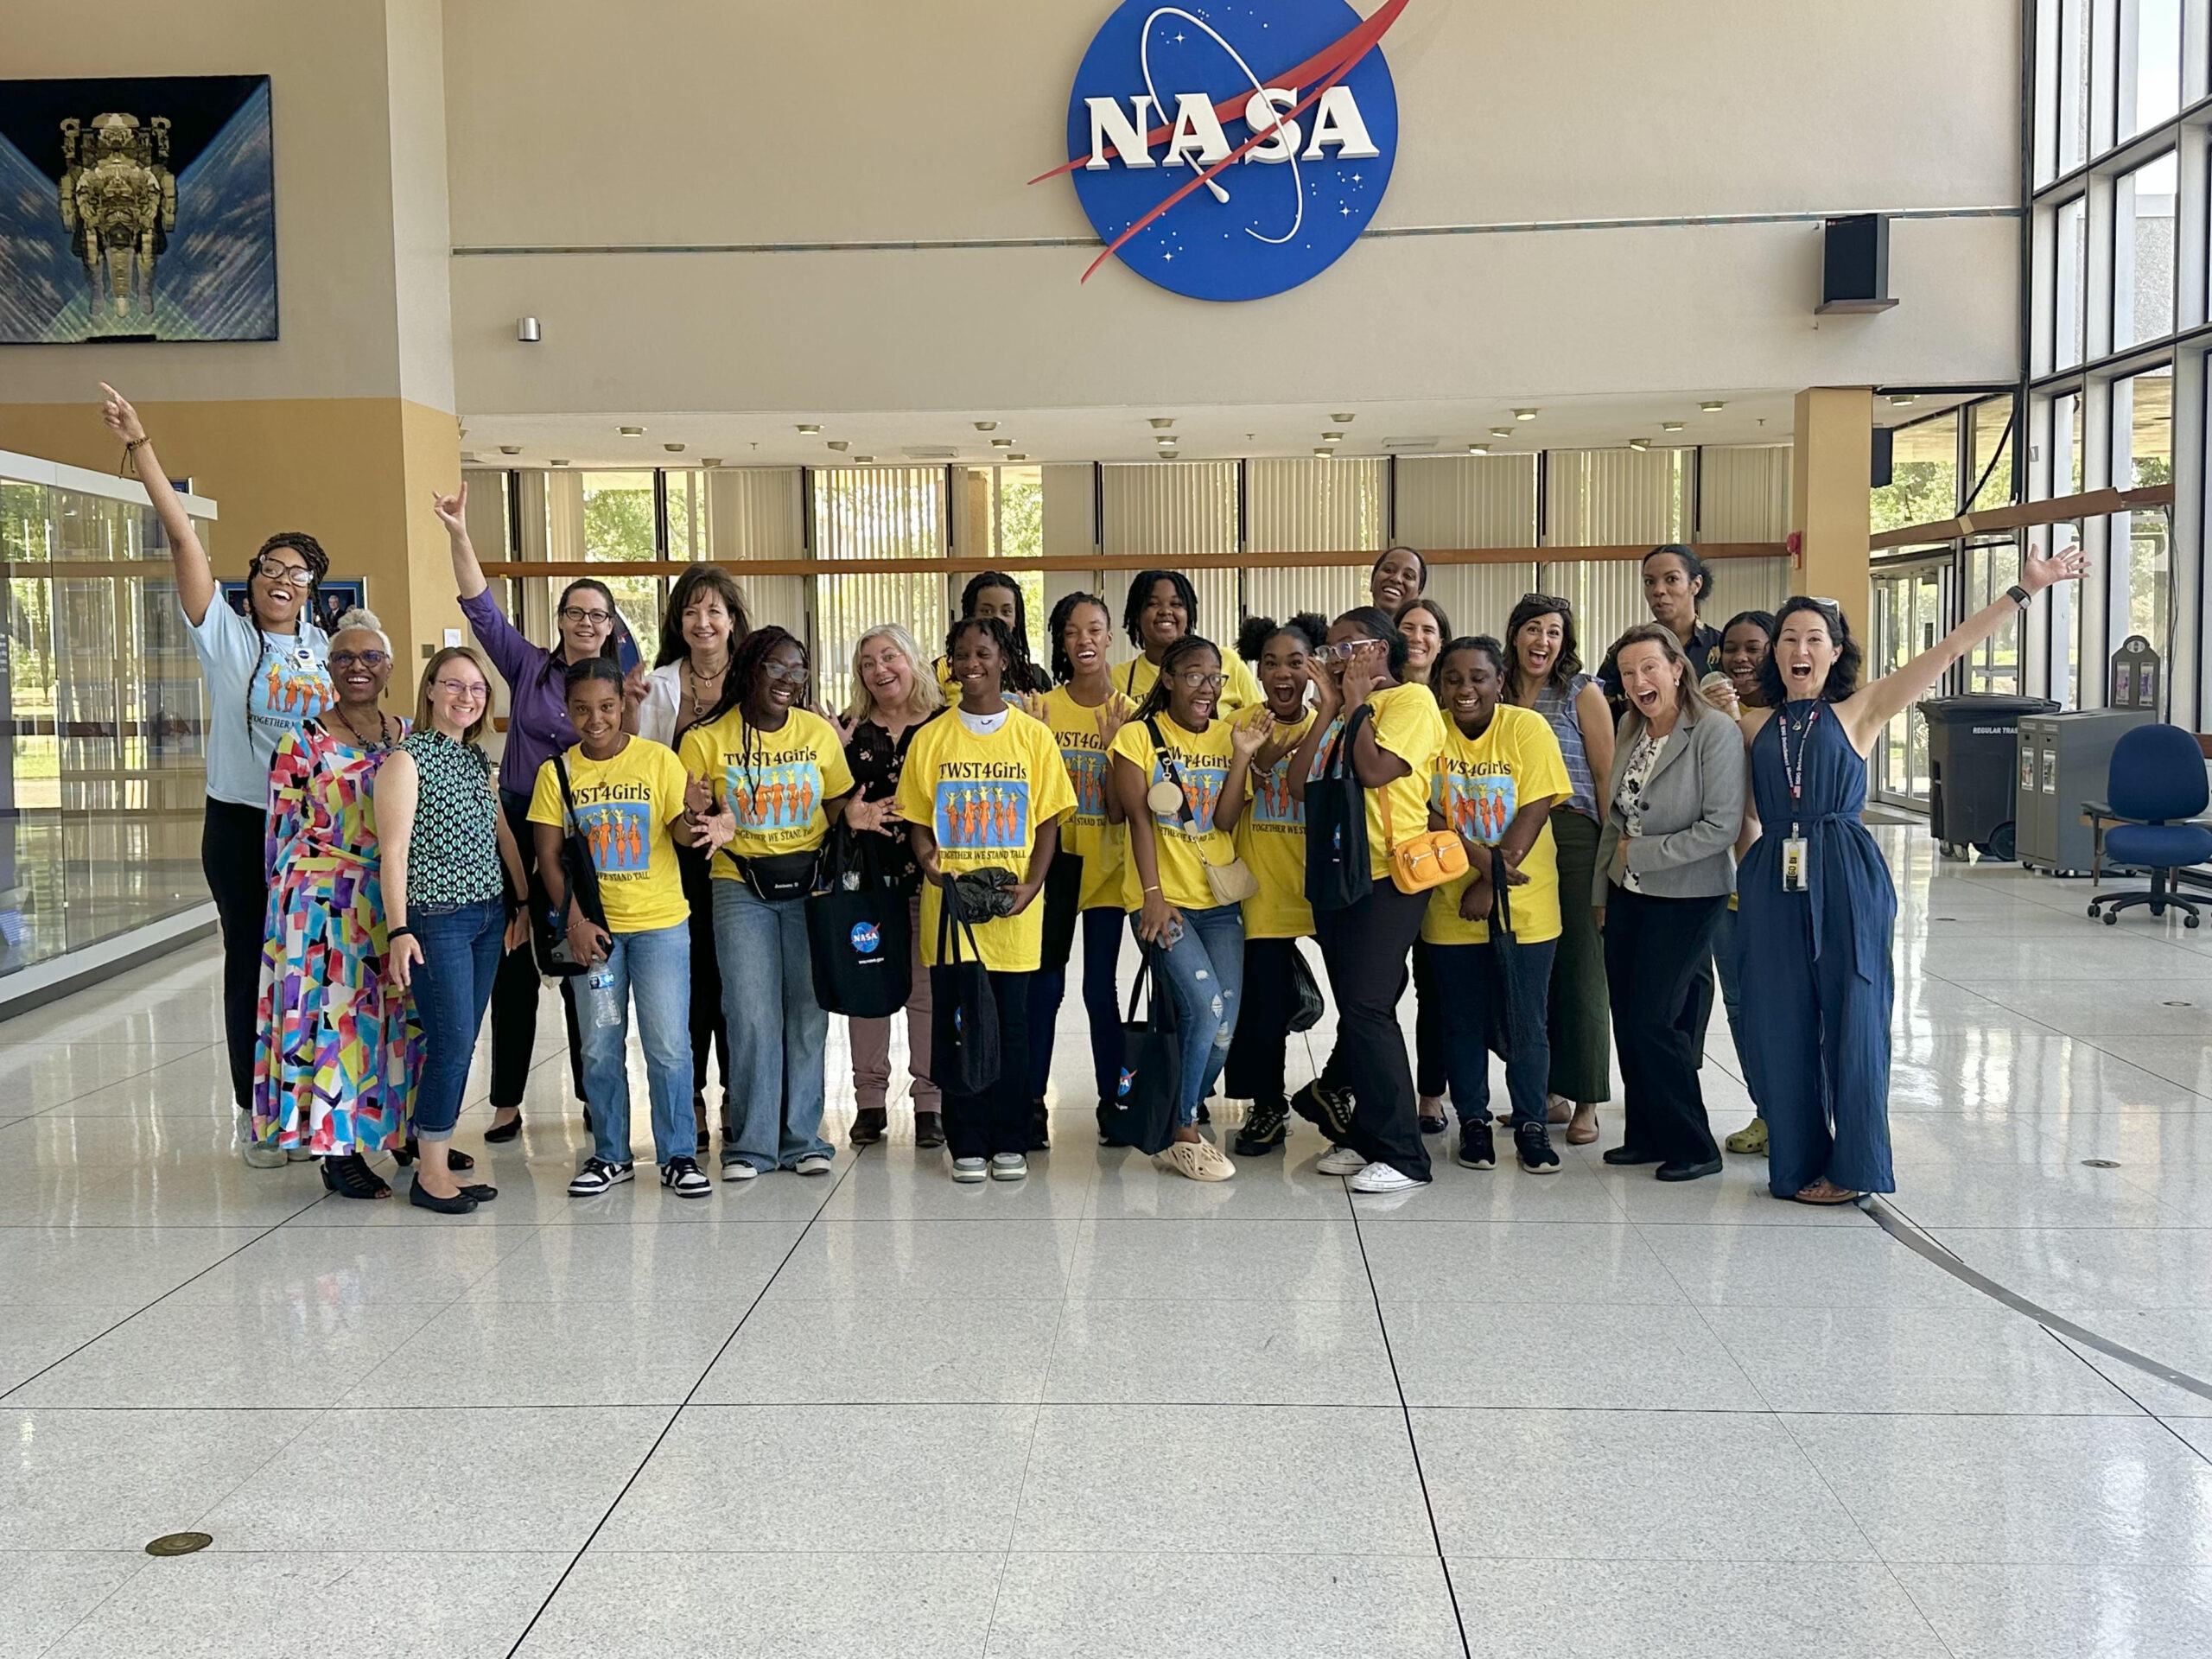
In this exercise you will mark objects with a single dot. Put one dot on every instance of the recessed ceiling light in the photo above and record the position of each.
(1712, 406)
(810, 427)
(839, 444)
(631, 431)
(1342, 420)
(987, 426)
(710, 461)
(1501, 431)
(1670, 426)
(863, 460)
(511, 448)
(1002, 444)
(557, 463)
(673, 449)
(1332, 437)
(1639, 444)
(1325, 453)
(1017, 455)
(1479, 448)
(1524, 413)
(1901, 399)
(468, 455)
(1161, 422)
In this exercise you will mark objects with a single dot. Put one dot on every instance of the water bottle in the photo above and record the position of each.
(604, 1001)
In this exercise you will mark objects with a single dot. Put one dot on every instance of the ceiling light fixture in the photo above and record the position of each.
(1342, 420)
(1670, 426)
(1016, 456)
(1901, 399)
(1002, 444)
(1639, 444)
(1479, 448)
(1325, 453)
(1501, 431)
(863, 460)
(839, 444)
(468, 455)
(1332, 437)
(557, 463)
(809, 428)
(1524, 413)
(511, 448)
(710, 461)
(673, 449)
(1712, 406)
(987, 426)
(526, 330)
(1161, 422)
(631, 431)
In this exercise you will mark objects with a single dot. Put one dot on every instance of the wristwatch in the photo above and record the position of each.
(2018, 596)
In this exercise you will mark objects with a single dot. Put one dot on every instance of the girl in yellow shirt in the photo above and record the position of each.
(1084, 712)
(1271, 837)
(1162, 607)
(1177, 773)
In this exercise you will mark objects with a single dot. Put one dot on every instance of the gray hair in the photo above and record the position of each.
(361, 619)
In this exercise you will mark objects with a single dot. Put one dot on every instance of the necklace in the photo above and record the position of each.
(381, 740)
(694, 679)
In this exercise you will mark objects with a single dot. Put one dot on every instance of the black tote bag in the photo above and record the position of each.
(964, 1023)
(1305, 1005)
(1337, 876)
(1143, 1112)
(859, 936)
(549, 933)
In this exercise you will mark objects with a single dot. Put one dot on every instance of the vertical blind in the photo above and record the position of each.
(863, 514)
(1471, 501)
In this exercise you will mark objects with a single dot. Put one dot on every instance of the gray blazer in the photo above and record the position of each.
(1693, 810)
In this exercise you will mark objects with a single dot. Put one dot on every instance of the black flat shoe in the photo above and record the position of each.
(1631, 1155)
(1686, 1171)
(499, 1134)
(1433, 1126)
(928, 1129)
(455, 1158)
(421, 1198)
(481, 1194)
(350, 1176)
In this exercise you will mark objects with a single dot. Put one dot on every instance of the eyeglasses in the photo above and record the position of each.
(1199, 682)
(295, 575)
(793, 674)
(369, 659)
(578, 614)
(1343, 651)
(1549, 601)
(460, 690)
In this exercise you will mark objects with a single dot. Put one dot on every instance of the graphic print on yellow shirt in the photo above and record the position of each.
(624, 807)
(1238, 688)
(1478, 786)
(1271, 838)
(1085, 833)
(776, 782)
(985, 798)
(1408, 724)
(1182, 845)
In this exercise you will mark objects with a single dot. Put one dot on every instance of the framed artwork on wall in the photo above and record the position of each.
(333, 597)
(136, 209)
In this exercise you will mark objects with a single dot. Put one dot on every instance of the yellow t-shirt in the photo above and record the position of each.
(1239, 690)
(1182, 846)
(1084, 832)
(1271, 837)
(776, 780)
(985, 798)
(1409, 725)
(624, 807)
(1479, 785)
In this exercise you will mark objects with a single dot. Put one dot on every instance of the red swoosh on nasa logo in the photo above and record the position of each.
(1373, 29)
(1354, 46)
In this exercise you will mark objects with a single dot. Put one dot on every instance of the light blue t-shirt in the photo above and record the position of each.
(260, 686)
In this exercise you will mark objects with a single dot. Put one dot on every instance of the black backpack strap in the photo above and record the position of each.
(1168, 768)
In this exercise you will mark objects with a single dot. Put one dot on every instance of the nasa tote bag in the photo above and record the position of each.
(860, 936)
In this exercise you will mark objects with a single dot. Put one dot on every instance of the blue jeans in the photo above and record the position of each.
(1101, 956)
(777, 1030)
(453, 986)
(653, 968)
(1485, 1008)
(1204, 972)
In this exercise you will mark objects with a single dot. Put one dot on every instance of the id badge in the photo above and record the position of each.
(1793, 865)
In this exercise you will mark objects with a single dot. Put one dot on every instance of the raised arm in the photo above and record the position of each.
(195, 581)
(467, 572)
(1874, 706)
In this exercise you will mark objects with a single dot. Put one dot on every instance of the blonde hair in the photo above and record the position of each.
(927, 698)
(430, 671)
(1686, 701)
(361, 619)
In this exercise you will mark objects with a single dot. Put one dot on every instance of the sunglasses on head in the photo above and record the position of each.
(1549, 601)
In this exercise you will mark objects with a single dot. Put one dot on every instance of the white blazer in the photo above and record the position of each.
(664, 696)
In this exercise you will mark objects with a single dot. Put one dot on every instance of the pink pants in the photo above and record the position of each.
(871, 1039)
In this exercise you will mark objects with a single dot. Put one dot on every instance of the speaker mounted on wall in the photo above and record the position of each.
(1855, 264)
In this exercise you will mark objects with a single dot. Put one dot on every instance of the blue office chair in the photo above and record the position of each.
(2158, 776)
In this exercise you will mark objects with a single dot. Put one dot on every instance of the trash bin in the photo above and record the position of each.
(1973, 750)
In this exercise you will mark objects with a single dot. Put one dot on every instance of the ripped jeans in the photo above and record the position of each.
(1204, 972)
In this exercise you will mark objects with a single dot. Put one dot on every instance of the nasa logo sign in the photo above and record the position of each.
(865, 939)
(1229, 149)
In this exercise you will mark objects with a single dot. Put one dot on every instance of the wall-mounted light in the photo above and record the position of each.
(526, 330)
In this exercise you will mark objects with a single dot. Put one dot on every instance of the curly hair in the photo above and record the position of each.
(1843, 676)
(1252, 637)
(1172, 660)
(1057, 628)
(1565, 665)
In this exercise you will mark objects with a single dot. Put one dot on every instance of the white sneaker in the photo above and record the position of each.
(739, 1171)
(1341, 1161)
(259, 1155)
(1009, 1167)
(967, 1171)
(1383, 1178)
(813, 1164)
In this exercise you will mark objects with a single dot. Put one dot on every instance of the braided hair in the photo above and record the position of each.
(1063, 613)
(318, 564)
(746, 665)
(1140, 593)
(1022, 673)
(1179, 652)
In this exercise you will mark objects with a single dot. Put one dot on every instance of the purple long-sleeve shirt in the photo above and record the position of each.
(537, 712)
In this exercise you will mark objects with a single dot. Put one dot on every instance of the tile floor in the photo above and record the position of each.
(1110, 1413)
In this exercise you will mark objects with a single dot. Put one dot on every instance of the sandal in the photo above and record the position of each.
(350, 1176)
(1580, 1130)
(1199, 1161)
(1824, 1191)
(1751, 1140)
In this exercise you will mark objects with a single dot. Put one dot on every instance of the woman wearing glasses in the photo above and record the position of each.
(450, 862)
(340, 1050)
(1544, 672)
(265, 674)
(537, 729)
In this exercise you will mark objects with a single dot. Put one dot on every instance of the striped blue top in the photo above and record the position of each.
(1556, 705)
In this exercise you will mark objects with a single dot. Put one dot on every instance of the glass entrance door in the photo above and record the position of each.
(1908, 618)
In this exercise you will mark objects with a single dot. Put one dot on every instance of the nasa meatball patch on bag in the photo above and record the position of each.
(858, 935)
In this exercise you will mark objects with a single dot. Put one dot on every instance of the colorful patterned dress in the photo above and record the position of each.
(340, 1048)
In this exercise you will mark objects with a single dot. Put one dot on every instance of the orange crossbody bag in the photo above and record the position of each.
(1427, 859)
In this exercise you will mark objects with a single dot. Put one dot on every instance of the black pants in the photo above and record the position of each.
(233, 850)
(1654, 948)
(1495, 1001)
(1364, 948)
(514, 992)
(1254, 1070)
(980, 1126)
(710, 1035)
(1429, 1070)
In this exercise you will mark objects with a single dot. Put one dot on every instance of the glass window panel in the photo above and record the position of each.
(1923, 485)
(2066, 444)
(1989, 427)
(686, 515)
(618, 528)
(2069, 284)
(2142, 581)
(2142, 253)
(2151, 87)
(2075, 18)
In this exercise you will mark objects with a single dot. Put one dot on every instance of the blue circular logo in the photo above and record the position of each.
(1229, 149)
(866, 938)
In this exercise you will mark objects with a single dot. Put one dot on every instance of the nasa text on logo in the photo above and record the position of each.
(866, 938)
(1229, 149)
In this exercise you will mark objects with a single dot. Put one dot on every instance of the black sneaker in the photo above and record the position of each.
(1266, 1127)
(1477, 1151)
(1205, 1116)
(597, 1175)
(683, 1176)
(1040, 1128)
(1327, 1108)
(1110, 1120)
(1532, 1142)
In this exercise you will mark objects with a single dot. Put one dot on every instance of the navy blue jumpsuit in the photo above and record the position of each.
(1815, 964)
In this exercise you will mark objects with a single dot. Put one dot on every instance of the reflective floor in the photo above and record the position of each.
(1111, 1413)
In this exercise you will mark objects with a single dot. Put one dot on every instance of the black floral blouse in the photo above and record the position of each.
(876, 760)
